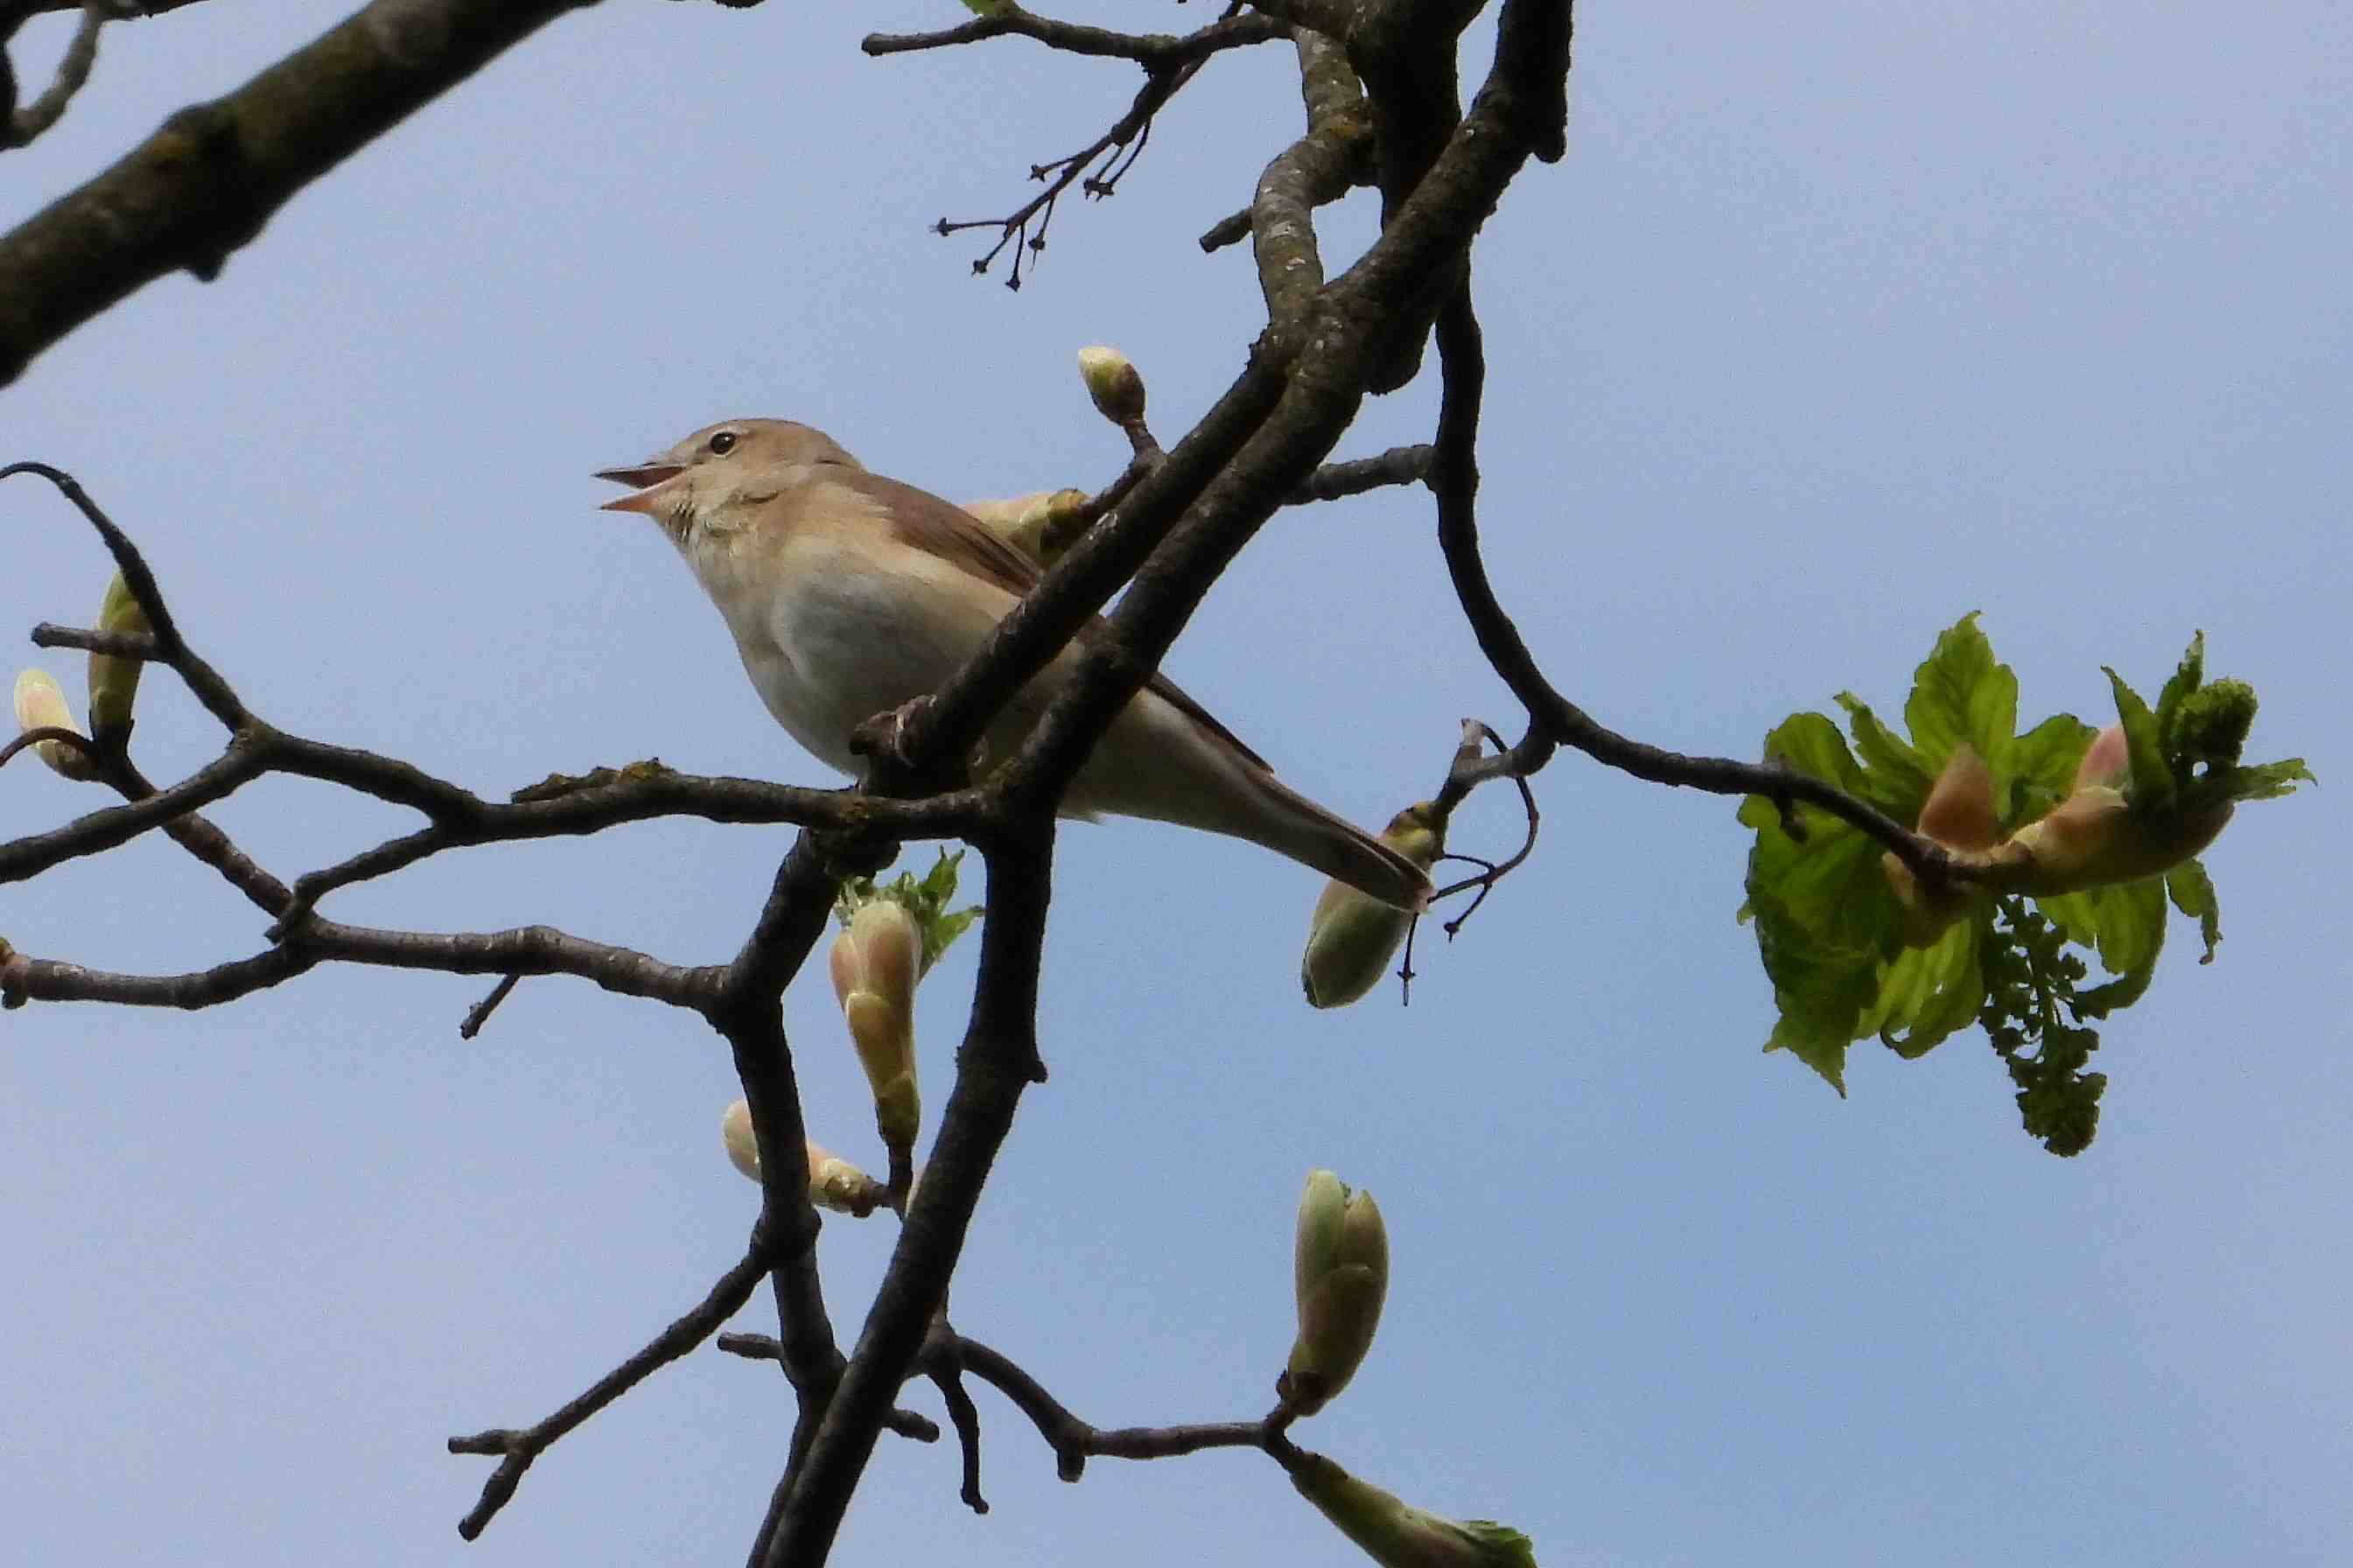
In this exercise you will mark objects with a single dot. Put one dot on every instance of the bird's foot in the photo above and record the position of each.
(883, 738)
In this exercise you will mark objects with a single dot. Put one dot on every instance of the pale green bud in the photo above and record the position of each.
(1340, 1277)
(875, 963)
(114, 683)
(1398, 1535)
(1352, 936)
(1113, 384)
(834, 1183)
(735, 1132)
(41, 705)
(1041, 525)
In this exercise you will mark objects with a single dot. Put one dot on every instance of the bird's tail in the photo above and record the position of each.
(1290, 824)
(1214, 784)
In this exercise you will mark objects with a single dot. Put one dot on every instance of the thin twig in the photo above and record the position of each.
(27, 123)
(479, 1012)
(517, 1449)
(1150, 49)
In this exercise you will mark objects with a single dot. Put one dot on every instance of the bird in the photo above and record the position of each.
(850, 594)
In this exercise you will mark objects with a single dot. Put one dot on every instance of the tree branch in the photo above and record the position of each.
(21, 125)
(1153, 50)
(523, 949)
(516, 1450)
(1454, 481)
(203, 186)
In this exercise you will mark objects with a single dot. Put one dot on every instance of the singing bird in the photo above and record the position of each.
(850, 594)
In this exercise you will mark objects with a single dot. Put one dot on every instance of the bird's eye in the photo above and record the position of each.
(722, 443)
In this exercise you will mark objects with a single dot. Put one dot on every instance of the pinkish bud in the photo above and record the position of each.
(2109, 762)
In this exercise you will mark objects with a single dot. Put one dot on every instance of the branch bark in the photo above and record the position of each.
(202, 187)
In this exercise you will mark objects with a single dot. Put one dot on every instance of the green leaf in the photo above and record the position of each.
(926, 899)
(1822, 1050)
(1959, 694)
(2125, 923)
(2187, 678)
(2192, 892)
(1810, 743)
(1895, 778)
(2265, 781)
(1928, 994)
(2152, 780)
(2040, 767)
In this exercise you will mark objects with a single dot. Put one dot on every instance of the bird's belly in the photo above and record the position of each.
(844, 646)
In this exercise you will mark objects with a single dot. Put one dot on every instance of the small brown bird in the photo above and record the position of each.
(850, 594)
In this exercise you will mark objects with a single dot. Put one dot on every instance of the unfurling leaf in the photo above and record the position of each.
(2097, 827)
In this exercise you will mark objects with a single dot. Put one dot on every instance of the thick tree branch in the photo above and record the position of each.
(1310, 171)
(203, 186)
(997, 1061)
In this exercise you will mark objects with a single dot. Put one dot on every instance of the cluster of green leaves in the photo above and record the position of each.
(1832, 929)
(926, 898)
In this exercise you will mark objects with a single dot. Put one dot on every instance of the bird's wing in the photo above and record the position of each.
(922, 520)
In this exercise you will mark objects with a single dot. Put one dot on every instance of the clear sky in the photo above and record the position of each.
(1838, 320)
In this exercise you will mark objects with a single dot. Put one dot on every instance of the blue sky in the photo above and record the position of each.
(1839, 322)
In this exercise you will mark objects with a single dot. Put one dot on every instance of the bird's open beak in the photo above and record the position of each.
(647, 480)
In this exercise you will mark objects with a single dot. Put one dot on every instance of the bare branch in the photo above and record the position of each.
(23, 124)
(1119, 148)
(517, 1449)
(525, 950)
(1312, 171)
(1454, 481)
(1153, 50)
(203, 186)
(1074, 1441)
(1336, 482)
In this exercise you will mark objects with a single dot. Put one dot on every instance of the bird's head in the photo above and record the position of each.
(714, 479)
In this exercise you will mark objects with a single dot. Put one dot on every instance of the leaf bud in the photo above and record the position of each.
(1960, 814)
(2213, 723)
(834, 1183)
(2095, 837)
(735, 1132)
(114, 683)
(41, 705)
(1352, 936)
(875, 961)
(1340, 1275)
(1113, 384)
(1396, 1534)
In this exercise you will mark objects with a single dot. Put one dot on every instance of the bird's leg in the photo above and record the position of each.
(883, 738)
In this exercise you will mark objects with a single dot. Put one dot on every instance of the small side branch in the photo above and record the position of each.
(1153, 50)
(1336, 482)
(23, 124)
(517, 1449)
(1165, 74)
(1454, 482)
(1075, 1441)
